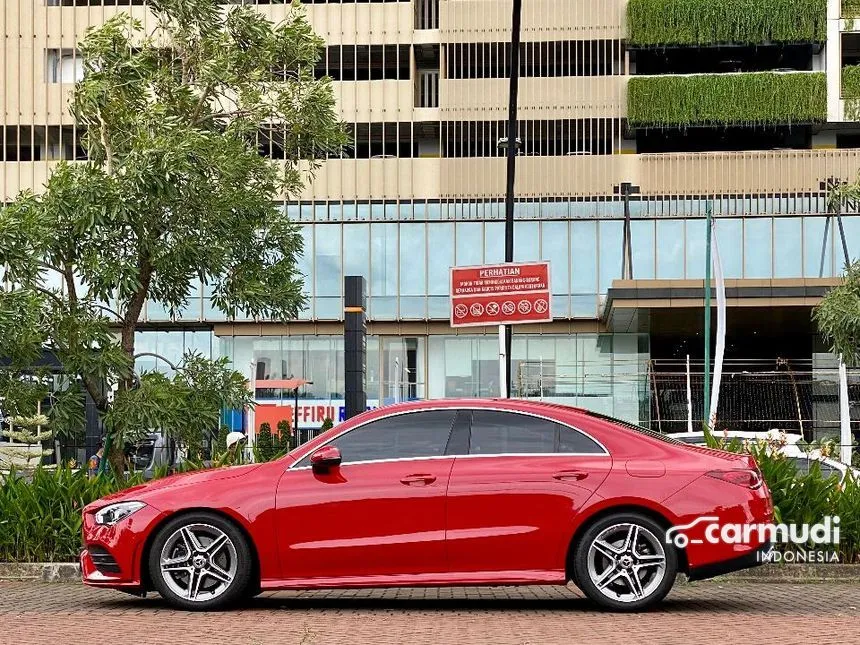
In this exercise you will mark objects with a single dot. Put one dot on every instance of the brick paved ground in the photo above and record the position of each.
(694, 613)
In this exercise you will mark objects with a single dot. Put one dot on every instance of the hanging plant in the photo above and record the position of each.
(851, 91)
(850, 8)
(761, 98)
(711, 22)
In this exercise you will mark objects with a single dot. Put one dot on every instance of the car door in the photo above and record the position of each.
(513, 499)
(380, 513)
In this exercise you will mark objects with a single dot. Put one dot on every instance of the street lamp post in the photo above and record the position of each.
(512, 148)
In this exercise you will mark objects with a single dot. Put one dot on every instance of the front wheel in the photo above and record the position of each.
(622, 563)
(200, 561)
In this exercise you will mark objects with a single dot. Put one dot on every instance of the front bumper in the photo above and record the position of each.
(754, 558)
(122, 545)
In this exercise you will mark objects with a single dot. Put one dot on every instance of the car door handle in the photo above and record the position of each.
(418, 480)
(577, 475)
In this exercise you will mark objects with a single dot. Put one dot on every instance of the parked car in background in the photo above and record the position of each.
(436, 493)
(790, 444)
(155, 452)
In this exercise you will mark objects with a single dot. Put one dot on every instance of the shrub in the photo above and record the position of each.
(710, 22)
(851, 91)
(328, 424)
(40, 511)
(805, 498)
(760, 98)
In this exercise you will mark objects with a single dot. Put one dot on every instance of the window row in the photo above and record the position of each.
(537, 59)
(602, 372)
(407, 264)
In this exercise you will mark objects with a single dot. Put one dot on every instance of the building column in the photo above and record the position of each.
(833, 64)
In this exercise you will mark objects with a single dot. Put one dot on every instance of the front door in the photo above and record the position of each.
(512, 501)
(381, 513)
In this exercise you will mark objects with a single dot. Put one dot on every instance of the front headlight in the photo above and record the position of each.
(110, 515)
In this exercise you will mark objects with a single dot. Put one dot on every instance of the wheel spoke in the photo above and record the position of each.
(214, 571)
(634, 583)
(604, 547)
(182, 559)
(216, 545)
(607, 577)
(650, 560)
(191, 540)
(176, 568)
(631, 539)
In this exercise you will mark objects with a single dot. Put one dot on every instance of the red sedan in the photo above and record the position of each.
(437, 493)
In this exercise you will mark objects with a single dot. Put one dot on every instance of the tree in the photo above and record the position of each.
(175, 190)
(263, 445)
(838, 317)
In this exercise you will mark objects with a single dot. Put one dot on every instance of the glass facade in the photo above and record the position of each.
(407, 263)
(603, 372)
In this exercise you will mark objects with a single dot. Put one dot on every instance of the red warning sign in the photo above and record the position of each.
(500, 294)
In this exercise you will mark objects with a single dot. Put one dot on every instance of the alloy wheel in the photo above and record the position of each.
(626, 562)
(198, 562)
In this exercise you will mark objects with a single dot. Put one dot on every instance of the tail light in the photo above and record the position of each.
(746, 477)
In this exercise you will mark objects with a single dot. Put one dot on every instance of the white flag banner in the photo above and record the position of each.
(720, 350)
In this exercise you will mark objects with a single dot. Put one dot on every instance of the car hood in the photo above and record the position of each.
(196, 478)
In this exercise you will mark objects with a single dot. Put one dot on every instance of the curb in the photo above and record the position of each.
(40, 571)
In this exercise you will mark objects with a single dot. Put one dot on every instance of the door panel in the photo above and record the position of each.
(363, 519)
(514, 513)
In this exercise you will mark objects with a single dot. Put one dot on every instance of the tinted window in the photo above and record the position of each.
(404, 436)
(804, 464)
(503, 432)
(570, 440)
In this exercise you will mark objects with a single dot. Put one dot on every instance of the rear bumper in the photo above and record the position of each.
(754, 558)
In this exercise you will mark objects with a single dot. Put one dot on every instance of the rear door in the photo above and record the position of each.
(513, 499)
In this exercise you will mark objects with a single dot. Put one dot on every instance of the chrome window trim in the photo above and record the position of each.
(605, 452)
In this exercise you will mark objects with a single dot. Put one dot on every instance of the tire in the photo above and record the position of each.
(606, 568)
(200, 562)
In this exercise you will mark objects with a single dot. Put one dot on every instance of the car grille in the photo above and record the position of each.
(103, 560)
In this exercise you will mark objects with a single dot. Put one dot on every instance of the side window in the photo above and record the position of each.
(495, 432)
(403, 436)
(570, 440)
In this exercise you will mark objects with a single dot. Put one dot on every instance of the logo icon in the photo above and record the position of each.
(676, 535)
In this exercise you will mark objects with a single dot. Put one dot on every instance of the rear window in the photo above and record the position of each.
(636, 428)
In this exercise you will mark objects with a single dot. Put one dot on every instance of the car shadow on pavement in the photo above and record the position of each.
(367, 603)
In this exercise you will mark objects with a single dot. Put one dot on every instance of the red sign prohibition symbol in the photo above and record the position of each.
(508, 308)
(460, 311)
(525, 306)
(541, 306)
(493, 308)
(477, 309)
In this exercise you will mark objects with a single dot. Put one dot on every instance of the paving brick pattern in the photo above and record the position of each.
(711, 612)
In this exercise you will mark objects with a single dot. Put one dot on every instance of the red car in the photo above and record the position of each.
(437, 493)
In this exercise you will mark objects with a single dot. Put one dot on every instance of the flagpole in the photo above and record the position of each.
(706, 401)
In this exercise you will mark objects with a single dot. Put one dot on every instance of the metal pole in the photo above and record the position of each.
(512, 150)
(296, 418)
(707, 400)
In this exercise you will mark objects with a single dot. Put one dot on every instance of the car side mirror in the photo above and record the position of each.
(325, 458)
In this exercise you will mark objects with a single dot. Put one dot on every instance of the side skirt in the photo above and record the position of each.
(475, 578)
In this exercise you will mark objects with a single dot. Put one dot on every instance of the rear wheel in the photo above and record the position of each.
(622, 563)
(200, 561)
